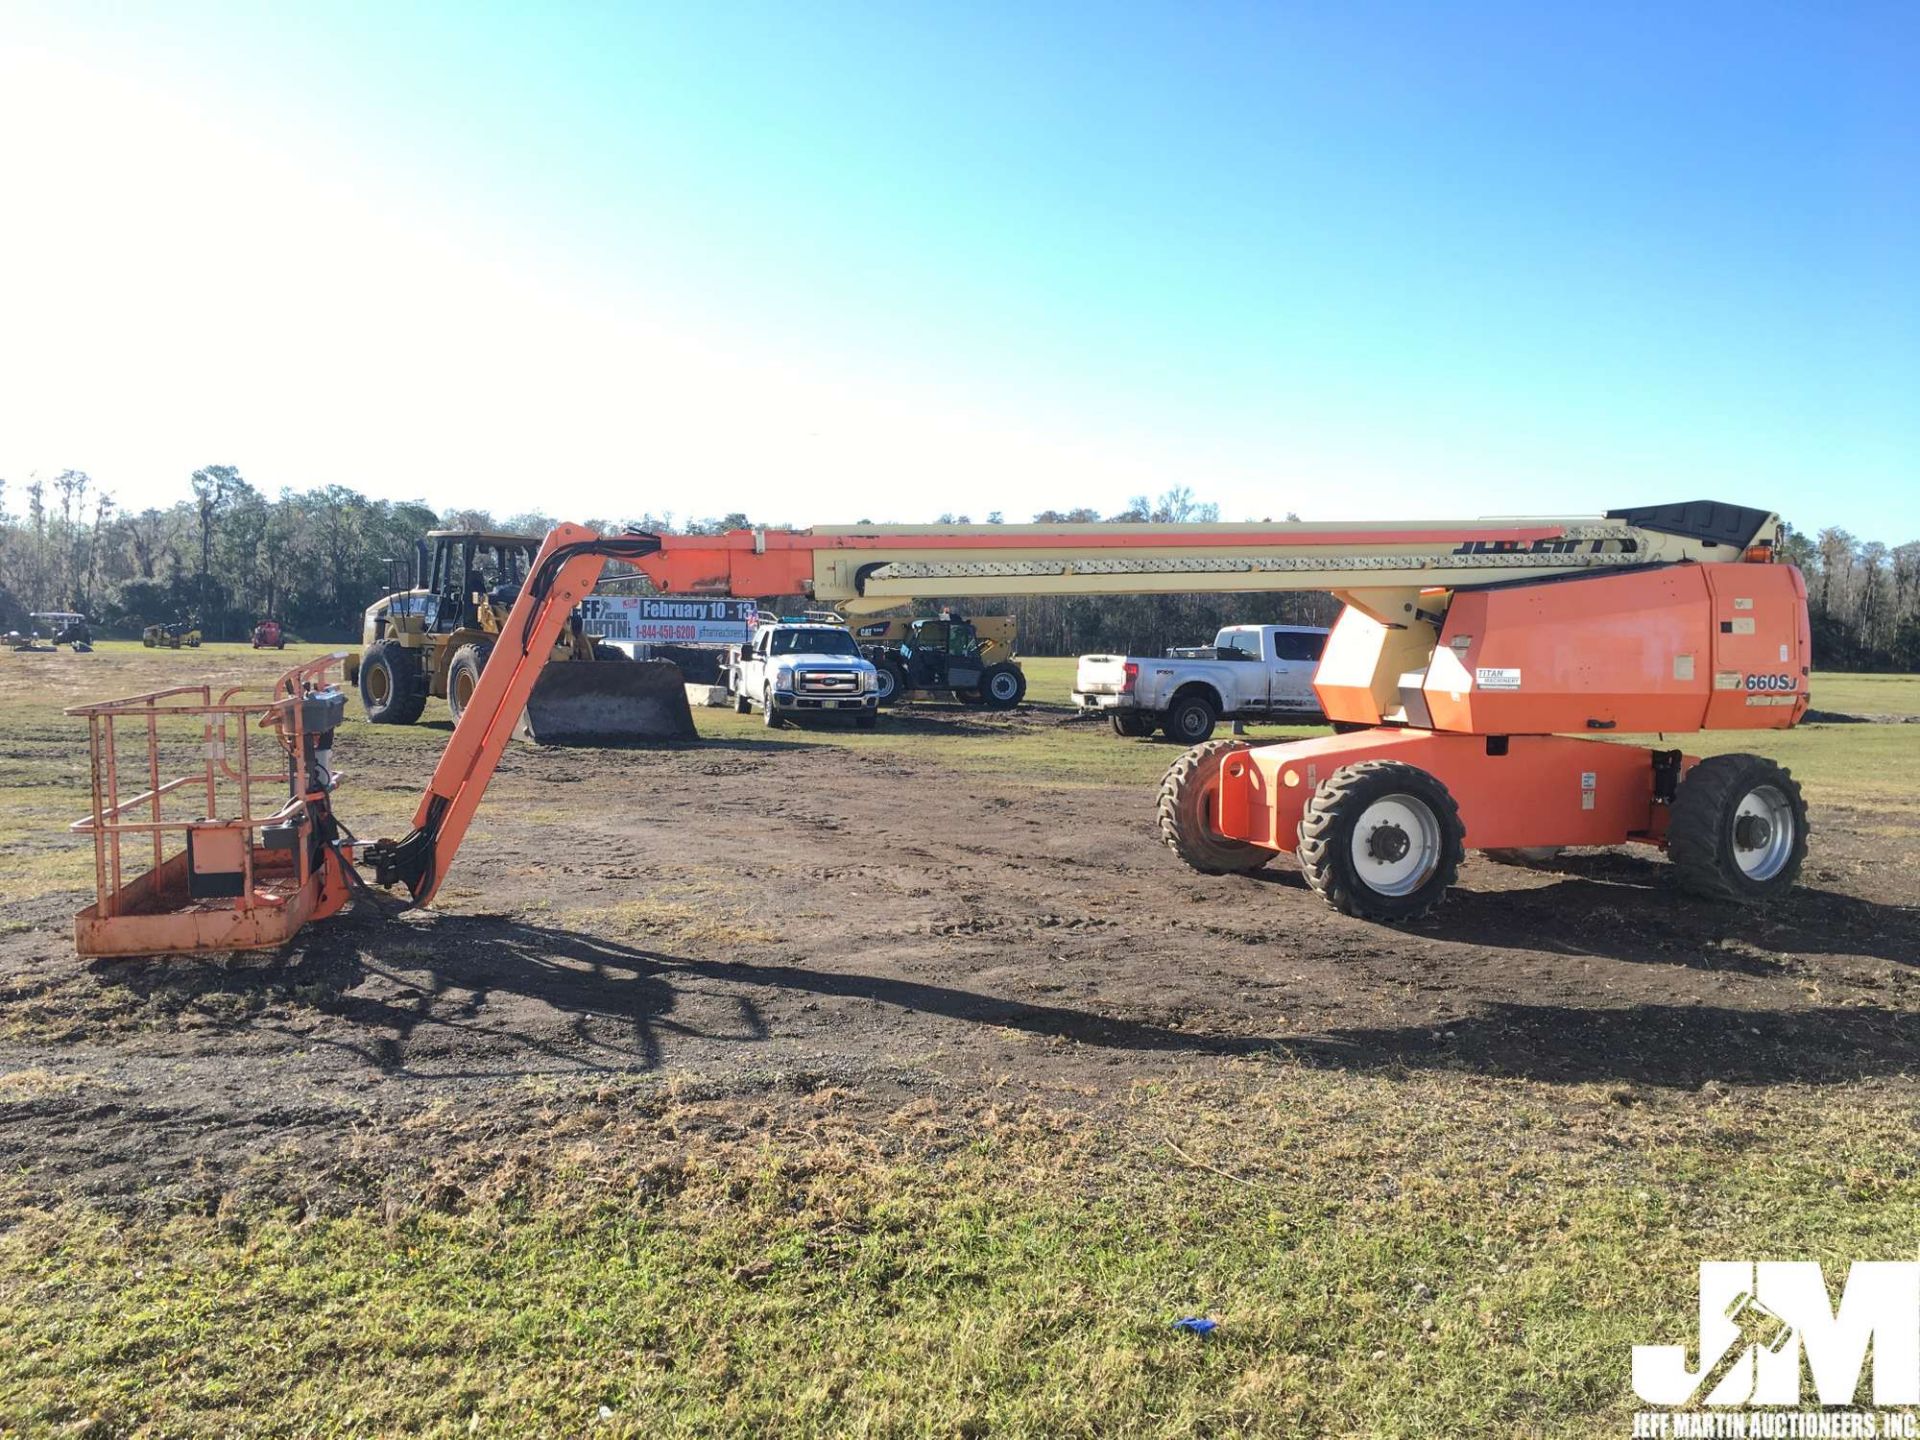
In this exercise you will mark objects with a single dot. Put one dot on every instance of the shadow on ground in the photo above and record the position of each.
(493, 997)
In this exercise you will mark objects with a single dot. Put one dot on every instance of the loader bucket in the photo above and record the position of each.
(637, 702)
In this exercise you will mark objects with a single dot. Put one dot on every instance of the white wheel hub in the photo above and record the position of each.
(1396, 845)
(1763, 835)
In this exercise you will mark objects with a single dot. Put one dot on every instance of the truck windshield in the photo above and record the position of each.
(813, 642)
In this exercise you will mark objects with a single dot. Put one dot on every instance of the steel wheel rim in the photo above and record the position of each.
(462, 693)
(1004, 686)
(1372, 845)
(378, 686)
(1765, 857)
(1192, 722)
(885, 684)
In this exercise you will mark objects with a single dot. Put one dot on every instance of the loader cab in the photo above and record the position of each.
(452, 567)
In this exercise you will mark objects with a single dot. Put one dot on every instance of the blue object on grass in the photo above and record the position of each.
(1196, 1325)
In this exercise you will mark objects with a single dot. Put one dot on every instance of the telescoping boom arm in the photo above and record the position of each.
(876, 567)
(563, 573)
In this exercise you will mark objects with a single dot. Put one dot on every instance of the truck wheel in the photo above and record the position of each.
(1003, 687)
(1381, 840)
(1738, 829)
(892, 687)
(393, 687)
(1185, 813)
(1132, 727)
(464, 674)
(769, 716)
(741, 704)
(1190, 719)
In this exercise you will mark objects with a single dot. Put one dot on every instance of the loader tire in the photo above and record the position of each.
(1003, 686)
(1381, 840)
(1132, 727)
(393, 687)
(892, 682)
(1738, 830)
(1185, 813)
(469, 661)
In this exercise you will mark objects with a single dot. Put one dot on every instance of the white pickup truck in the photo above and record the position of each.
(795, 670)
(1249, 671)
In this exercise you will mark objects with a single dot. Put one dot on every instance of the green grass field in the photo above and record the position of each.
(1389, 1252)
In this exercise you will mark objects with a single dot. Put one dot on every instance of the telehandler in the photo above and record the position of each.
(1487, 663)
(969, 658)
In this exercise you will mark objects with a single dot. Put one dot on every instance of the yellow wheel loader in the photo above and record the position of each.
(433, 641)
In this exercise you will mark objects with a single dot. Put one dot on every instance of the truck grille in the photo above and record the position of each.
(829, 682)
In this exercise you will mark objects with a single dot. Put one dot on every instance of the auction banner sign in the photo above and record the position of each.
(665, 618)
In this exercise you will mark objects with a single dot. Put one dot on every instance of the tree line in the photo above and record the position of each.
(226, 555)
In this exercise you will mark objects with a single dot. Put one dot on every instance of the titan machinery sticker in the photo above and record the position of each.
(1492, 678)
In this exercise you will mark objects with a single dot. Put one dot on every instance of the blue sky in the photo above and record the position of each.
(826, 262)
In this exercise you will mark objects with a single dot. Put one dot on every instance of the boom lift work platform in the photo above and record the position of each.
(1482, 660)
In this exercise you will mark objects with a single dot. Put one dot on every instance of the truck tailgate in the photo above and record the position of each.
(1100, 674)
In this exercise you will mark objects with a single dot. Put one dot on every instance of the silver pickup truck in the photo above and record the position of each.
(1250, 671)
(795, 670)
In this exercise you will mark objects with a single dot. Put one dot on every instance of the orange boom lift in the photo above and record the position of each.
(1477, 664)
(1482, 661)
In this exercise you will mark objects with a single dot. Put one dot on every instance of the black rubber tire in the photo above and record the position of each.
(1701, 839)
(769, 716)
(893, 681)
(1185, 804)
(1326, 832)
(742, 705)
(1002, 687)
(1130, 726)
(1190, 719)
(469, 661)
(403, 697)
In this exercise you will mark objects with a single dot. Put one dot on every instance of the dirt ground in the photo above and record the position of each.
(764, 916)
